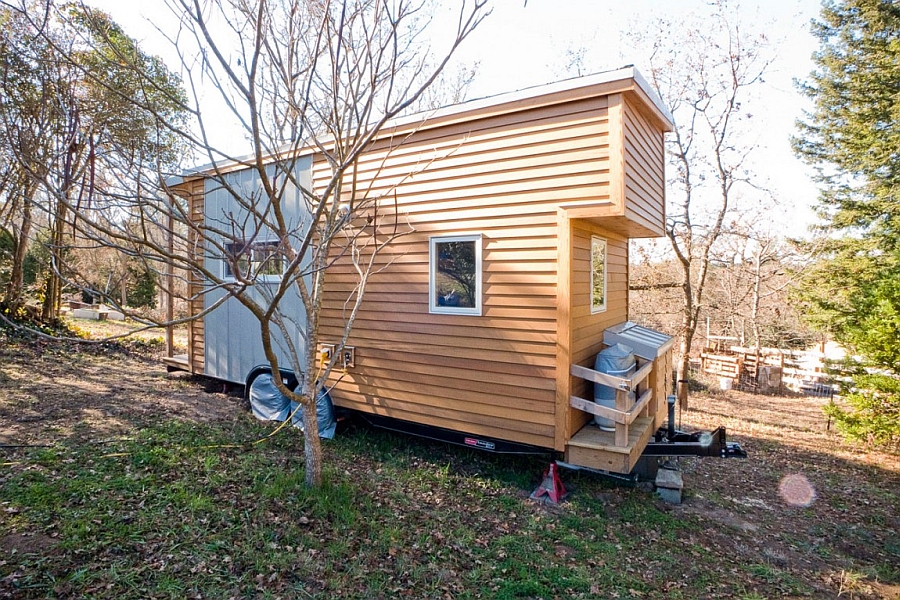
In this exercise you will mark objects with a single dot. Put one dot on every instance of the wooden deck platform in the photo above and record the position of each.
(596, 449)
(179, 362)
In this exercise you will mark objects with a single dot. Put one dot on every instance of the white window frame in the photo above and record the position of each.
(596, 241)
(265, 278)
(433, 306)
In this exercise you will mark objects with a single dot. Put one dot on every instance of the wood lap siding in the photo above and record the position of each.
(587, 329)
(196, 333)
(502, 177)
(644, 175)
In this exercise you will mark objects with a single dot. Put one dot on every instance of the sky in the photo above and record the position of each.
(525, 43)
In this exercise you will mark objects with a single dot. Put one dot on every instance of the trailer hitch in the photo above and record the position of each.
(668, 442)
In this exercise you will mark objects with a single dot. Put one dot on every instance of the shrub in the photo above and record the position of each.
(872, 413)
(142, 289)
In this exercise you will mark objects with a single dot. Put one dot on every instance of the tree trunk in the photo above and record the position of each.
(14, 287)
(312, 445)
(53, 290)
(754, 309)
(689, 326)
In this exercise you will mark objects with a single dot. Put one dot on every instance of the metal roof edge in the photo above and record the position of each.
(546, 89)
(653, 96)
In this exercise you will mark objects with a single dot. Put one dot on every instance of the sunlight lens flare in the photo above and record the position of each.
(796, 490)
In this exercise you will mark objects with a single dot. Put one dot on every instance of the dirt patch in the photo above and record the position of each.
(51, 392)
(806, 502)
(26, 543)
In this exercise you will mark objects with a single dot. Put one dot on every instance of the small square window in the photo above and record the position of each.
(455, 275)
(598, 275)
(254, 260)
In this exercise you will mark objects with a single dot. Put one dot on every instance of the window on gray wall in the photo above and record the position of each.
(254, 260)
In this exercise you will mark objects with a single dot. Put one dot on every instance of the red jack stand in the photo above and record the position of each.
(551, 485)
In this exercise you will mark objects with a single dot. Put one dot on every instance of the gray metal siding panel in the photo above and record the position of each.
(232, 343)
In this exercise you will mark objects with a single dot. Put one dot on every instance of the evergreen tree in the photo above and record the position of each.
(142, 287)
(852, 138)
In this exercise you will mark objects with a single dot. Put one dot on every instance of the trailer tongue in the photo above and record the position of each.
(667, 441)
(698, 443)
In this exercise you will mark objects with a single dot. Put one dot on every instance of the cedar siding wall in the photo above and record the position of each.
(644, 175)
(502, 177)
(587, 329)
(193, 190)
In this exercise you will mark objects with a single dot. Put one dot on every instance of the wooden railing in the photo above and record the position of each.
(626, 411)
(737, 362)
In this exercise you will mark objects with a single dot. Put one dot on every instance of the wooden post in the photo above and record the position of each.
(621, 428)
(170, 288)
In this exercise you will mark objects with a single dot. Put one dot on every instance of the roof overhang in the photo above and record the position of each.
(626, 80)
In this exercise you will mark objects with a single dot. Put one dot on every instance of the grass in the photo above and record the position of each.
(176, 513)
(182, 510)
(190, 510)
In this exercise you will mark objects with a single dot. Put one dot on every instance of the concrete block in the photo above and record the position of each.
(668, 495)
(669, 483)
(670, 479)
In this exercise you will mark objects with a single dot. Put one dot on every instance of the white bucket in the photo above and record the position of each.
(725, 383)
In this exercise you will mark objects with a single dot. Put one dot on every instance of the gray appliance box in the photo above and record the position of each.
(647, 343)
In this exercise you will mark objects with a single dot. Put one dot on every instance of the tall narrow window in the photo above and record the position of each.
(257, 260)
(598, 274)
(455, 275)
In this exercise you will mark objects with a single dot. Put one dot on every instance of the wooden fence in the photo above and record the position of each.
(768, 370)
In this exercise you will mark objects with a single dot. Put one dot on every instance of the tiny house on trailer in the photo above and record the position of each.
(490, 314)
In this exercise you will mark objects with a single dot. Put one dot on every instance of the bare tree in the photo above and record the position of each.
(310, 87)
(703, 69)
(749, 284)
(451, 87)
(31, 79)
(754, 276)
